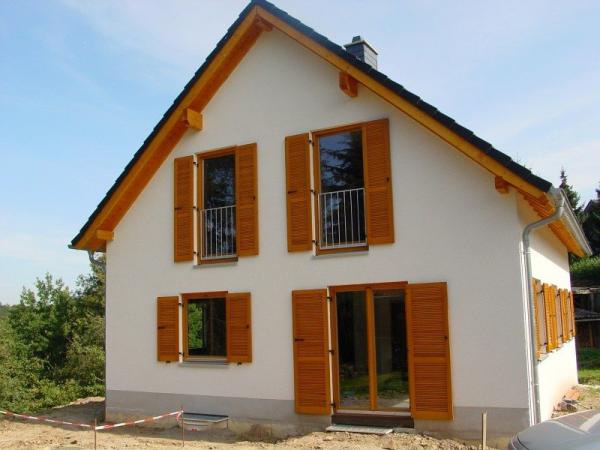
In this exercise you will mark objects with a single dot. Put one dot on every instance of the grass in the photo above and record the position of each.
(588, 361)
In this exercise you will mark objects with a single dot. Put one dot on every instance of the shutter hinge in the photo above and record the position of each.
(310, 141)
(315, 242)
(196, 163)
(180, 303)
(332, 351)
(312, 191)
(180, 353)
(333, 404)
(329, 297)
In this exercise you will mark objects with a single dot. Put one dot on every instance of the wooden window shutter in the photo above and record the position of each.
(167, 328)
(429, 351)
(246, 197)
(536, 286)
(311, 352)
(549, 304)
(572, 306)
(565, 314)
(184, 209)
(297, 173)
(378, 182)
(239, 328)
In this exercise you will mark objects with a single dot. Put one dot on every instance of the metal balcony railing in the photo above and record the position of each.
(218, 232)
(342, 219)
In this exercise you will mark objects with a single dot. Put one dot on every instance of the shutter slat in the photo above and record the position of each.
(378, 183)
(239, 327)
(297, 170)
(246, 200)
(183, 238)
(429, 351)
(167, 324)
(311, 351)
(538, 333)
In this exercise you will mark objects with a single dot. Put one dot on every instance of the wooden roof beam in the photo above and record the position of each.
(348, 85)
(501, 185)
(192, 119)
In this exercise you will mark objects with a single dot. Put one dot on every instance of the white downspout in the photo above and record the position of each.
(559, 202)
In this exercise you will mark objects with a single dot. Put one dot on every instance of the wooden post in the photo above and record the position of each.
(484, 430)
(95, 424)
(182, 428)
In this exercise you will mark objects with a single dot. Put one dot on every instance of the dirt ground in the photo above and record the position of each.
(588, 398)
(21, 435)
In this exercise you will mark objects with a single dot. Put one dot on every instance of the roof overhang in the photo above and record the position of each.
(258, 17)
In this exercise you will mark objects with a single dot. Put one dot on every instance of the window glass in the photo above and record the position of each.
(341, 161)
(206, 331)
(219, 182)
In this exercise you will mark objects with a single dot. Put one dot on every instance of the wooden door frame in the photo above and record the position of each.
(368, 288)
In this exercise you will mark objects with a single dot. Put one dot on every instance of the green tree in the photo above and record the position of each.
(591, 223)
(572, 195)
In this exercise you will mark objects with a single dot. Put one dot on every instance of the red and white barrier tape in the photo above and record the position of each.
(44, 419)
(136, 422)
(85, 425)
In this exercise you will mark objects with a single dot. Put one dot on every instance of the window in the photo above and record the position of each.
(206, 330)
(341, 199)
(216, 205)
(217, 222)
(215, 326)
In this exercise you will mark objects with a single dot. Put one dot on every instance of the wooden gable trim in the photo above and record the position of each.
(348, 85)
(228, 57)
(171, 132)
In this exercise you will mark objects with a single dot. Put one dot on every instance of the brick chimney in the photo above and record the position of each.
(361, 49)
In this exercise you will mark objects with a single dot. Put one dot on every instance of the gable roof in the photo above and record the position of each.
(260, 16)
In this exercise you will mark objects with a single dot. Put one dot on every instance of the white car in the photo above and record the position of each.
(578, 431)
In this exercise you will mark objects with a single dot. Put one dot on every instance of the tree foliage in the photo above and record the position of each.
(572, 195)
(52, 344)
(591, 223)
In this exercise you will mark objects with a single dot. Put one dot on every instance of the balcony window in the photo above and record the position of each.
(217, 215)
(341, 195)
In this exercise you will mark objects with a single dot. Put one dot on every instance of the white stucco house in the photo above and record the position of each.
(302, 241)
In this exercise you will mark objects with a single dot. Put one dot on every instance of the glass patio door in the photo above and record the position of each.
(371, 368)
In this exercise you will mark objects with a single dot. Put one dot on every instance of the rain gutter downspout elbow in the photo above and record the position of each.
(559, 203)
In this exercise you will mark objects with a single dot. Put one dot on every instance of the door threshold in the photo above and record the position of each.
(373, 419)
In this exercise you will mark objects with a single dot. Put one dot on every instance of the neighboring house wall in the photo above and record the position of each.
(550, 264)
(450, 225)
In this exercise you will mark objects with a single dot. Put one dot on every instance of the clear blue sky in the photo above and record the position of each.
(82, 83)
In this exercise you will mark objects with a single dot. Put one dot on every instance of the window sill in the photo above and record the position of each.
(204, 362)
(217, 262)
(345, 251)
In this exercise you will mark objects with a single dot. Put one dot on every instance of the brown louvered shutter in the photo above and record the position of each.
(246, 197)
(297, 171)
(536, 286)
(549, 304)
(184, 209)
(572, 306)
(429, 351)
(239, 328)
(378, 182)
(167, 328)
(565, 314)
(311, 352)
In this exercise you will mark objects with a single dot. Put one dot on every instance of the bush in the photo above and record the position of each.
(586, 271)
(52, 344)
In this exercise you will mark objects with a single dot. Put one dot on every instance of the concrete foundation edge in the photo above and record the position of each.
(277, 418)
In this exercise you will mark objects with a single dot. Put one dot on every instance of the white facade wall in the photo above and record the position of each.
(450, 225)
(550, 264)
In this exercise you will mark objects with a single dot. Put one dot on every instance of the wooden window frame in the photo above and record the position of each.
(185, 299)
(200, 158)
(316, 162)
(368, 288)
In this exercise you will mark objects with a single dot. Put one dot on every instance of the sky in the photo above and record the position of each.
(82, 84)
